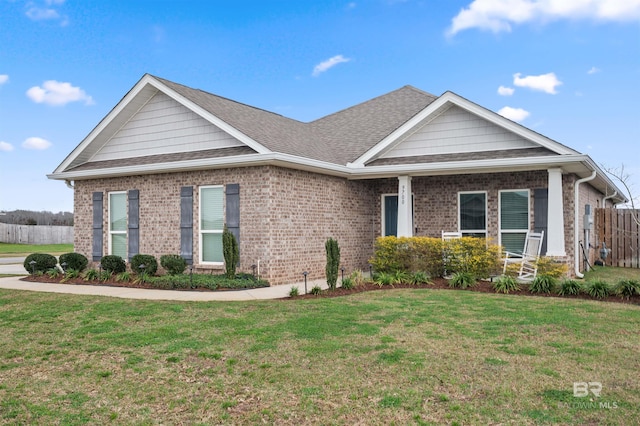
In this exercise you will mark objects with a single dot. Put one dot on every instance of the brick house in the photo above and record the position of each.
(169, 166)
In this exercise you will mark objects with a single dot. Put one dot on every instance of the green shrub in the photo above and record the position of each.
(316, 290)
(597, 289)
(420, 277)
(75, 261)
(357, 277)
(54, 273)
(150, 264)
(43, 262)
(70, 274)
(505, 284)
(293, 292)
(231, 253)
(569, 287)
(462, 280)
(384, 278)
(174, 264)
(124, 277)
(333, 262)
(549, 266)
(113, 264)
(401, 277)
(91, 275)
(473, 255)
(543, 284)
(627, 288)
(347, 283)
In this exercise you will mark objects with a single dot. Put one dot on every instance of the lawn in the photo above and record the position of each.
(23, 250)
(399, 356)
(612, 274)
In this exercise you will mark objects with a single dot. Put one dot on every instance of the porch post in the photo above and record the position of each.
(405, 213)
(555, 215)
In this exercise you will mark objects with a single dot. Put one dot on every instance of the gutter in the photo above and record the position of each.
(576, 256)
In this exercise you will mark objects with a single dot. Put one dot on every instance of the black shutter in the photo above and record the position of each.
(96, 245)
(233, 210)
(133, 221)
(186, 223)
(541, 213)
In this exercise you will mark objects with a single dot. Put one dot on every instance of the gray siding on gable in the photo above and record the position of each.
(164, 126)
(457, 131)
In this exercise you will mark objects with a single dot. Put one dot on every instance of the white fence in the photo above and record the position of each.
(35, 234)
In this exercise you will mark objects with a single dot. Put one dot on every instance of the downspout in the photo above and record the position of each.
(607, 197)
(68, 183)
(576, 243)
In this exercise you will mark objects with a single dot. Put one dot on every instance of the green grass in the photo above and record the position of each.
(611, 274)
(395, 357)
(23, 250)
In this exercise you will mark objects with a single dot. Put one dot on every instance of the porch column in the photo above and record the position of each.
(555, 215)
(405, 213)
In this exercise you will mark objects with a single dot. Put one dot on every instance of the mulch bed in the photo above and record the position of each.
(437, 284)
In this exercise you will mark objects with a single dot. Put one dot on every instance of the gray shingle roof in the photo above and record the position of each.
(338, 138)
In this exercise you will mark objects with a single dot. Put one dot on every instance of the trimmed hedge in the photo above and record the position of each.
(172, 263)
(44, 262)
(76, 261)
(150, 264)
(113, 264)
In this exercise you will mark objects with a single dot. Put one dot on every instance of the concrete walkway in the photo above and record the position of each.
(275, 292)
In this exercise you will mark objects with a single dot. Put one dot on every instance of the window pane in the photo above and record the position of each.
(212, 248)
(513, 243)
(118, 212)
(514, 210)
(473, 211)
(119, 245)
(211, 212)
(390, 215)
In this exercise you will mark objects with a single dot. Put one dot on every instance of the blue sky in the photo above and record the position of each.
(569, 69)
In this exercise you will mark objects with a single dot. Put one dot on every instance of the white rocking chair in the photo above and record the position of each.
(528, 259)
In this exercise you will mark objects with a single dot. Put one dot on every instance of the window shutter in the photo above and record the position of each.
(233, 210)
(96, 248)
(186, 223)
(541, 213)
(133, 221)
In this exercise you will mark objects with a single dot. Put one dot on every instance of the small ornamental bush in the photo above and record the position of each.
(462, 280)
(70, 274)
(347, 283)
(473, 255)
(124, 277)
(401, 277)
(316, 290)
(173, 264)
(43, 262)
(627, 288)
(543, 284)
(91, 275)
(384, 278)
(550, 267)
(54, 273)
(569, 287)
(75, 261)
(420, 277)
(293, 292)
(231, 253)
(357, 277)
(597, 289)
(505, 284)
(113, 264)
(150, 264)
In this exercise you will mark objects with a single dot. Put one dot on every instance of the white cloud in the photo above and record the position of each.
(58, 93)
(514, 114)
(3, 79)
(545, 82)
(593, 70)
(36, 144)
(5, 146)
(505, 91)
(329, 63)
(47, 12)
(499, 15)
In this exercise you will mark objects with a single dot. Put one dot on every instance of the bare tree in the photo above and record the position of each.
(624, 178)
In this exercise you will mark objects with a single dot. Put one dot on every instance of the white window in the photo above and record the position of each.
(514, 219)
(472, 211)
(211, 224)
(118, 224)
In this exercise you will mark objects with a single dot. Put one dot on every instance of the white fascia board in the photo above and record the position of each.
(259, 148)
(284, 160)
(146, 79)
(454, 99)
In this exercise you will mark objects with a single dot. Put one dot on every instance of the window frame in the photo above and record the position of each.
(112, 232)
(513, 231)
(468, 232)
(201, 232)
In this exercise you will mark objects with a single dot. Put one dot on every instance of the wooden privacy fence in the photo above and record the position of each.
(35, 234)
(621, 233)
